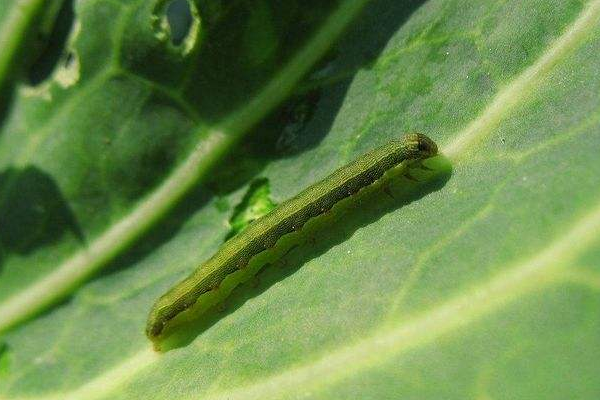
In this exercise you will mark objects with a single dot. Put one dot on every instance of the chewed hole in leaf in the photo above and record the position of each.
(53, 43)
(179, 22)
(256, 203)
(67, 73)
(179, 17)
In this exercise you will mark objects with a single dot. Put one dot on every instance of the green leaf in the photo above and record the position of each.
(141, 127)
(483, 286)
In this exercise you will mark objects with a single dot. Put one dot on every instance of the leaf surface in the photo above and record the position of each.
(485, 285)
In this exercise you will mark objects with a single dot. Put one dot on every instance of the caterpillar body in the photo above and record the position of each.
(289, 216)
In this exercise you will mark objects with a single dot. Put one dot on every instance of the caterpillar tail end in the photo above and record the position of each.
(154, 329)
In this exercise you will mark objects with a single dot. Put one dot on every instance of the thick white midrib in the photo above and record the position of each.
(210, 149)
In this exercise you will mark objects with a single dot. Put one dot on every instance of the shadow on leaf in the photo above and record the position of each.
(33, 212)
(304, 120)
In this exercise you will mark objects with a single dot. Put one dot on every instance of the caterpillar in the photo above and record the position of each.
(289, 216)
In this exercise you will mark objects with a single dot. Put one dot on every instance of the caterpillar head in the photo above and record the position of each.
(420, 145)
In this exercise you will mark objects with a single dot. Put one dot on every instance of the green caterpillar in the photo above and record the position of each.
(289, 216)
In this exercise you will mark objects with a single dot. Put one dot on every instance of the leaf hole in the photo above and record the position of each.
(179, 18)
(256, 203)
(178, 22)
(52, 40)
(67, 73)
